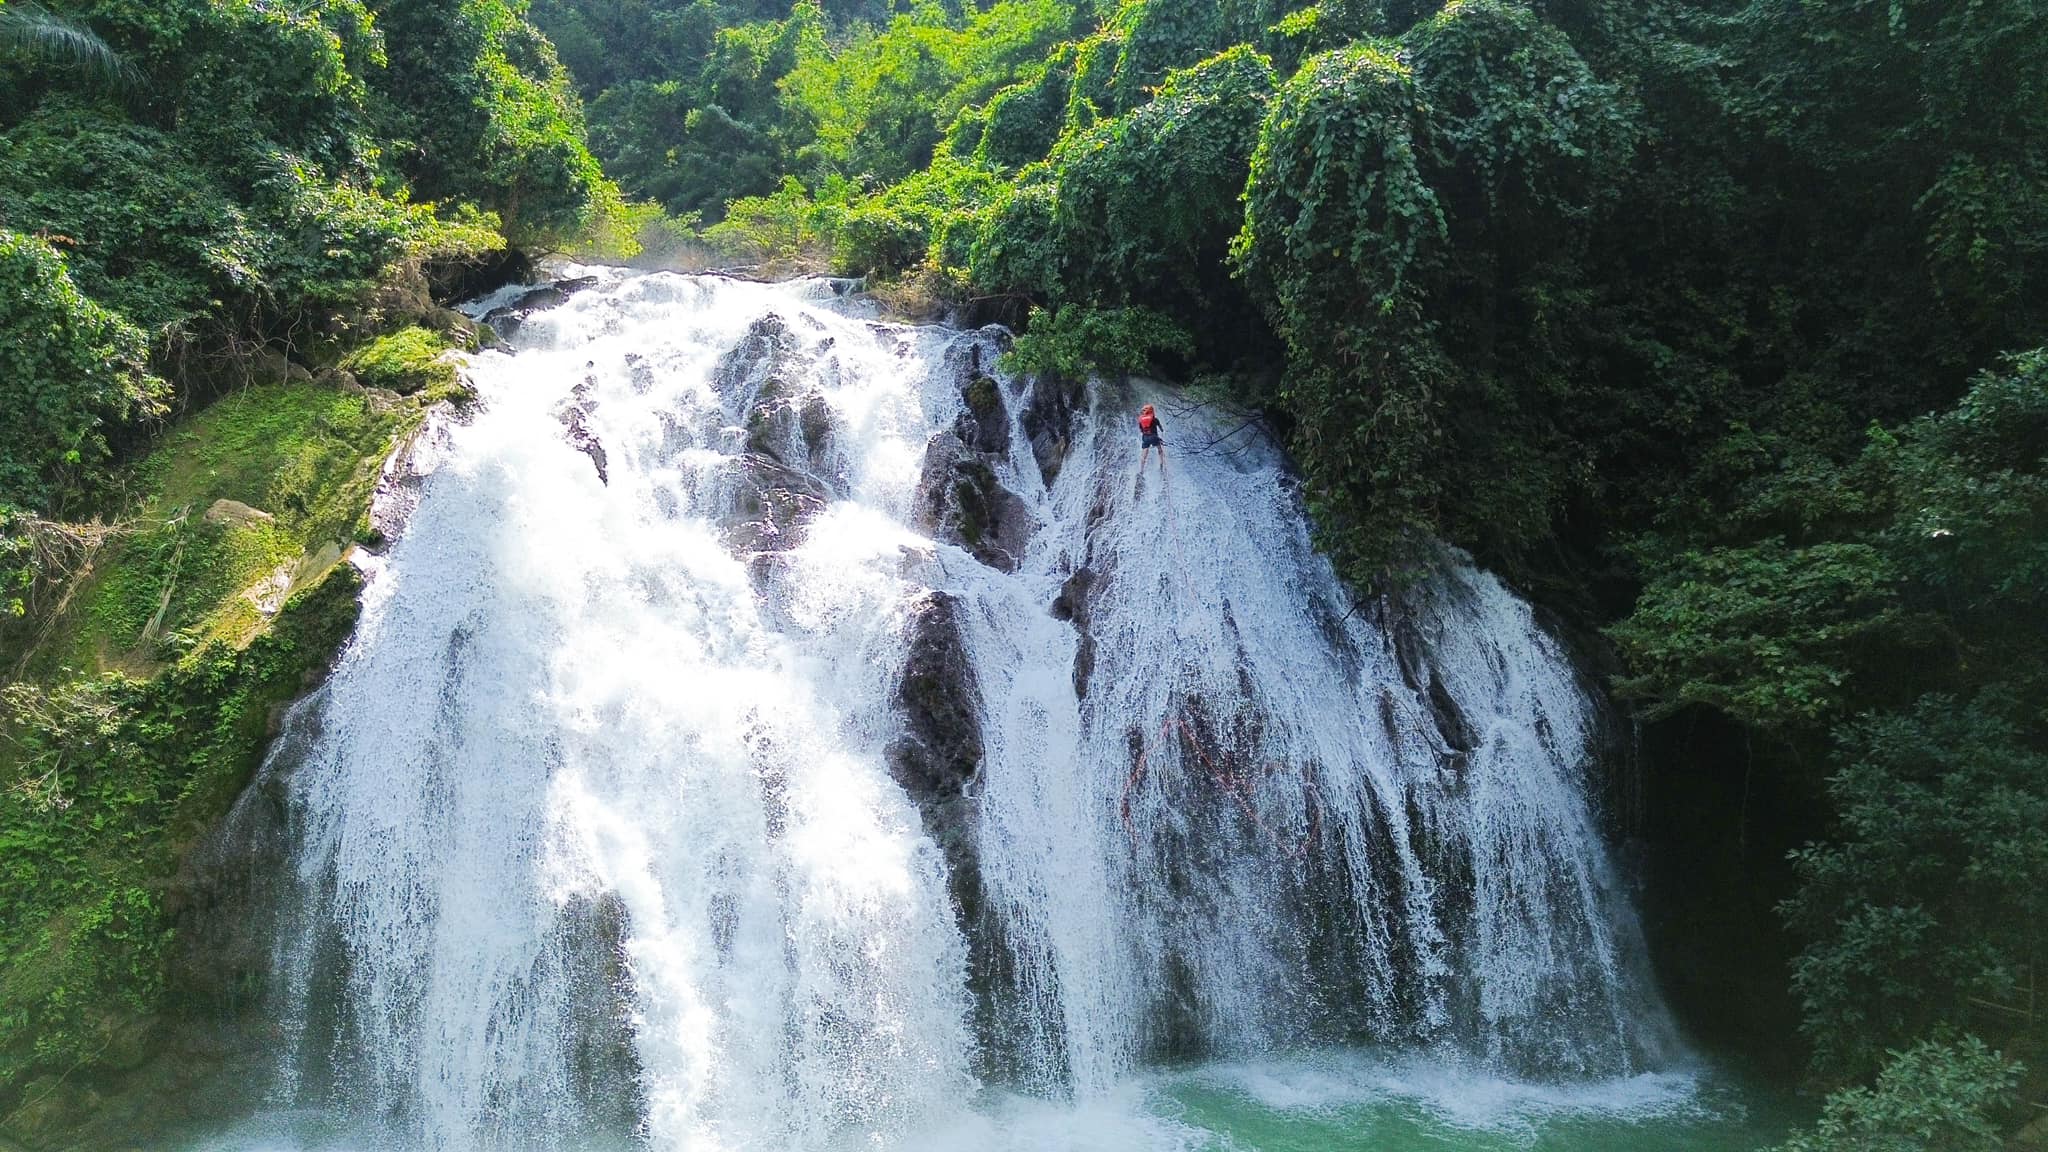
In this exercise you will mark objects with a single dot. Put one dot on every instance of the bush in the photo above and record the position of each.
(405, 361)
(1076, 342)
(1933, 1097)
(1927, 907)
(1021, 123)
(1149, 200)
(69, 371)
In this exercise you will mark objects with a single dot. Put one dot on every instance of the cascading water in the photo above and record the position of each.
(770, 731)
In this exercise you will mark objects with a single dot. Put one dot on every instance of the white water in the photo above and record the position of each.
(596, 832)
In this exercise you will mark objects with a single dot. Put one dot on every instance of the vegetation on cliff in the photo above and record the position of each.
(214, 216)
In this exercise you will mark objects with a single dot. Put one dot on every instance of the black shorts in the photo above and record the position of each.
(1152, 440)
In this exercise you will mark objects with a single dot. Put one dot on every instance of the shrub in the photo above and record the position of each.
(1933, 1097)
(69, 371)
(1149, 200)
(1076, 342)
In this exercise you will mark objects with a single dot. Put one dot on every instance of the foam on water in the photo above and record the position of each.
(597, 835)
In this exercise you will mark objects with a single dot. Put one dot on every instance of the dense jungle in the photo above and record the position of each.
(1716, 329)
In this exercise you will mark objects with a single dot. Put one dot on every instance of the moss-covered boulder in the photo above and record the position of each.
(406, 361)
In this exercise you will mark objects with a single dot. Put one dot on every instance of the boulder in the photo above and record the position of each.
(234, 512)
(339, 378)
(270, 366)
(465, 332)
(552, 295)
(506, 319)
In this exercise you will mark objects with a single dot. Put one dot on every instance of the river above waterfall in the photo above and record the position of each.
(774, 728)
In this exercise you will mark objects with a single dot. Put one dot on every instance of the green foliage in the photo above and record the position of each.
(1769, 634)
(878, 106)
(481, 111)
(1928, 908)
(1414, 226)
(69, 370)
(1932, 1097)
(106, 777)
(787, 227)
(405, 361)
(1017, 246)
(709, 128)
(1075, 342)
(29, 32)
(1340, 223)
(926, 217)
(1916, 562)
(1148, 201)
(306, 455)
(103, 783)
(1906, 614)
(1020, 123)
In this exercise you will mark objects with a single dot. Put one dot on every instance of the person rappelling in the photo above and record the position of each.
(1148, 434)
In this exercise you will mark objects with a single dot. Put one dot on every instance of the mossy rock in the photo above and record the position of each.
(301, 459)
(145, 710)
(406, 361)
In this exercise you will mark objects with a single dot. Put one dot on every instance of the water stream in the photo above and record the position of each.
(777, 729)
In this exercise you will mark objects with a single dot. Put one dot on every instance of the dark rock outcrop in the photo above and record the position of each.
(939, 755)
(771, 506)
(575, 417)
(1050, 408)
(784, 471)
(937, 759)
(1451, 725)
(551, 295)
(985, 425)
(1072, 605)
(960, 500)
(506, 319)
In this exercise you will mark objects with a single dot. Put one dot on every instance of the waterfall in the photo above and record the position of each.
(774, 727)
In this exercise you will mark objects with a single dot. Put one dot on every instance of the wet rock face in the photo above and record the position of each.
(937, 760)
(575, 417)
(771, 506)
(506, 319)
(959, 500)
(1048, 419)
(782, 478)
(985, 425)
(1451, 725)
(939, 754)
(1072, 605)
